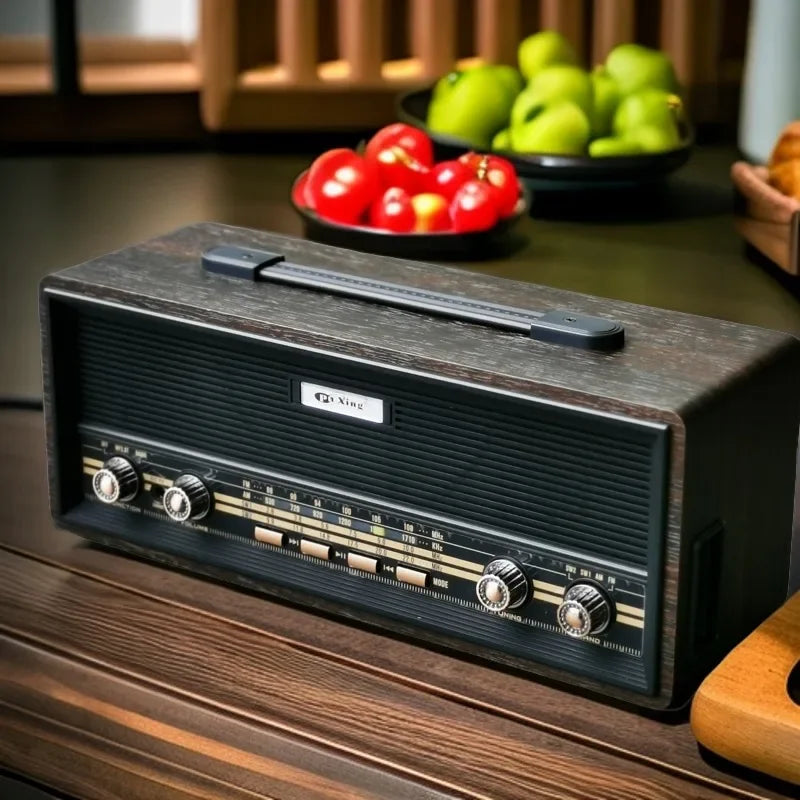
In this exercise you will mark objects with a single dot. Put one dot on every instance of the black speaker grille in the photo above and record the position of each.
(561, 476)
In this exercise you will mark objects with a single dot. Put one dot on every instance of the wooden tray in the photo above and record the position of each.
(766, 218)
(748, 709)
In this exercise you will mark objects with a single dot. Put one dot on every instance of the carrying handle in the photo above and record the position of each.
(559, 327)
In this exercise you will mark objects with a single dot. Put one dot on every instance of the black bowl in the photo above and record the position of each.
(441, 245)
(543, 172)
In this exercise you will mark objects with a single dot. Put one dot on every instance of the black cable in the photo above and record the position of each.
(21, 403)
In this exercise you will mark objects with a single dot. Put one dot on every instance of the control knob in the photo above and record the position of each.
(117, 480)
(585, 610)
(187, 498)
(503, 585)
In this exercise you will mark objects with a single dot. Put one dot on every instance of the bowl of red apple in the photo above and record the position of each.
(391, 198)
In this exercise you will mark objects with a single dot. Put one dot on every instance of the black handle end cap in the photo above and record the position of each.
(238, 262)
(578, 330)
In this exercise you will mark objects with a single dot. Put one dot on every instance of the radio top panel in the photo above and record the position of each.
(668, 362)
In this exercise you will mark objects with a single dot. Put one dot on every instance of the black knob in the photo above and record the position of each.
(503, 585)
(187, 498)
(117, 480)
(585, 610)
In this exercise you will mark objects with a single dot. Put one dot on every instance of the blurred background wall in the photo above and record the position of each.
(176, 70)
(146, 18)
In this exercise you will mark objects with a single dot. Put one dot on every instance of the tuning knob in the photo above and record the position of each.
(503, 585)
(585, 610)
(116, 480)
(187, 498)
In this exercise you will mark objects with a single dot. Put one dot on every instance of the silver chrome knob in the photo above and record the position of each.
(503, 585)
(187, 498)
(585, 611)
(117, 480)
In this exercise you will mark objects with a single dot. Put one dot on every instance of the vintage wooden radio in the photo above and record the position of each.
(582, 488)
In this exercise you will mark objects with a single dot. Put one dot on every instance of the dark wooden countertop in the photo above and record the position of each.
(120, 679)
(123, 679)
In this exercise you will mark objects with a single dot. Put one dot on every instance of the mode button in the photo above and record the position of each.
(412, 576)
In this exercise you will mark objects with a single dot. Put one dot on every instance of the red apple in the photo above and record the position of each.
(414, 141)
(473, 207)
(299, 194)
(447, 177)
(393, 211)
(395, 167)
(431, 212)
(501, 177)
(340, 186)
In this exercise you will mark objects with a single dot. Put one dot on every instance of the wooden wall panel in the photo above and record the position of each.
(614, 22)
(567, 16)
(433, 36)
(386, 46)
(219, 60)
(497, 30)
(691, 33)
(361, 28)
(297, 40)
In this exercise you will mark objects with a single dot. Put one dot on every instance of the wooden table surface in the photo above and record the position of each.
(120, 679)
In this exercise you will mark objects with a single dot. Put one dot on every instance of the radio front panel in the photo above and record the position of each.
(437, 453)
(532, 530)
(279, 518)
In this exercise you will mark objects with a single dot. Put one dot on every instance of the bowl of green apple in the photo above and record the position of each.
(562, 127)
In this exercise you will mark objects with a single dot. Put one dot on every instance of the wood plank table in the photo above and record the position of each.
(120, 679)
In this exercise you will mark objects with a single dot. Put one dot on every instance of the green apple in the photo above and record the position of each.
(508, 77)
(471, 105)
(655, 138)
(502, 140)
(553, 84)
(562, 128)
(606, 97)
(634, 67)
(526, 105)
(613, 146)
(647, 107)
(444, 85)
(542, 50)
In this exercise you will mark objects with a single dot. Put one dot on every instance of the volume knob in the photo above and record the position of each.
(117, 480)
(503, 585)
(585, 611)
(187, 498)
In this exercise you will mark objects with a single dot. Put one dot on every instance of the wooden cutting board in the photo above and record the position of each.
(748, 709)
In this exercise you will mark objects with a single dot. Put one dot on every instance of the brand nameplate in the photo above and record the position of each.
(337, 401)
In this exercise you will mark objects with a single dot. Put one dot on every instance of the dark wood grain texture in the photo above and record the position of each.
(695, 374)
(114, 672)
(156, 738)
(653, 374)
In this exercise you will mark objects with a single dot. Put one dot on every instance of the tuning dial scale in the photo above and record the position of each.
(187, 498)
(502, 586)
(585, 611)
(116, 481)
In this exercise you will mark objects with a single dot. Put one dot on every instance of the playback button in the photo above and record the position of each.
(413, 576)
(270, 536)
(363, 563)
(316, 549)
